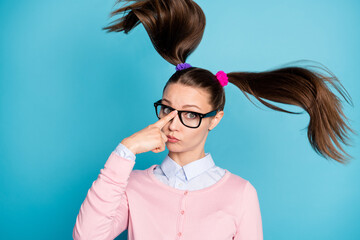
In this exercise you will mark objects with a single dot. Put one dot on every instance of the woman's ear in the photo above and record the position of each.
(215, 121)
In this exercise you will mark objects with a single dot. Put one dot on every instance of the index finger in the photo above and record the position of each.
(161, 122)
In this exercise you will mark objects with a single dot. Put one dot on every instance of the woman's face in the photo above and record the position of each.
(176, 96)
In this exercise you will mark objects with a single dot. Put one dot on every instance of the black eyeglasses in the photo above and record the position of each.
(188, 118)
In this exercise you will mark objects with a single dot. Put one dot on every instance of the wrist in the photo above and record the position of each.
(127, 143)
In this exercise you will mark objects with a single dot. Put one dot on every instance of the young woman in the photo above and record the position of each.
(188, 196)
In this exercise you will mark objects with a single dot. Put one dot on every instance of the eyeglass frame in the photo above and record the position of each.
(201, 115)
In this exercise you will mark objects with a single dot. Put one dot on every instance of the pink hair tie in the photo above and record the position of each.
(222, 78)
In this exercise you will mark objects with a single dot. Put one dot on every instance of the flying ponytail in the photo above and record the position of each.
(307, 89)
(176, 27)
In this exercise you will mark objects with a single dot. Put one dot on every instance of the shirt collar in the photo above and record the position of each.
(191, 170)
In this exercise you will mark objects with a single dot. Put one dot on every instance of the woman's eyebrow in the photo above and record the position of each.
(188, 105)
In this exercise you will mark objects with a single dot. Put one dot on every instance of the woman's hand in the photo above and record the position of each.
(150, 138)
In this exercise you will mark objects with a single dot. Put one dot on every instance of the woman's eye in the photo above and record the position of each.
(190, 115)
(166, 110)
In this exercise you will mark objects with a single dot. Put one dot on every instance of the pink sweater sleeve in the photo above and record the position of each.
(104, 212)
(250, 227)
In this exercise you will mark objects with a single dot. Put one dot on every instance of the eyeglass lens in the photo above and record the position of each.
(188, 118)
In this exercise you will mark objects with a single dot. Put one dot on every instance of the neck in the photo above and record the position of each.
(183, 158)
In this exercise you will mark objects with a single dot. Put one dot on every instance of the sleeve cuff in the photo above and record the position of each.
(124, 152)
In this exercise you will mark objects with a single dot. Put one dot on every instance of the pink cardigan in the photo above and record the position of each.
(122, 198)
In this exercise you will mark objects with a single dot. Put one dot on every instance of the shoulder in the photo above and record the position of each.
(238, 180)
(137, 173)
(241, 184)
(139, 176)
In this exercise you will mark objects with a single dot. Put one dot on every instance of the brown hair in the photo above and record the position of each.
(176, 28)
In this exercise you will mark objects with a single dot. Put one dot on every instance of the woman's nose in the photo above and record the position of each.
(175, 122)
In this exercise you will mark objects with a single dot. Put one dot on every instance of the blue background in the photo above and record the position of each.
(70, 92)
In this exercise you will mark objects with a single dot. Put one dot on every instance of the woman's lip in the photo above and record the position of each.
(172, 137)
(172, 140)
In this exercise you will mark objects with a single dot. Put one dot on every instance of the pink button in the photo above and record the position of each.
(182, 211)
(186, 192)
(179, 234)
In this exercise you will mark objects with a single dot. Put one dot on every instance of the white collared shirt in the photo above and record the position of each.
(195, 175)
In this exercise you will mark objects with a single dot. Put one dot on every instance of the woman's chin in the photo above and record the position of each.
(173, 147)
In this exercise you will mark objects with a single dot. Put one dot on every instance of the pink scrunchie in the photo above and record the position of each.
(222, 77)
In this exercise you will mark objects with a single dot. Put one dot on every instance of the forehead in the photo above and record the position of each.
(180, 95)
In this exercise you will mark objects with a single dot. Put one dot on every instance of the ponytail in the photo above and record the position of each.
(307, 89)
(175, 27)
